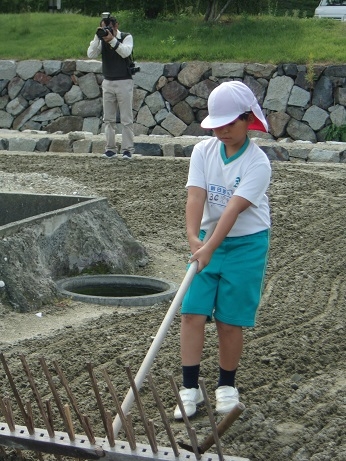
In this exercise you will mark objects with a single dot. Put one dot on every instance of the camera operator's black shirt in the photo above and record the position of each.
(114, 67)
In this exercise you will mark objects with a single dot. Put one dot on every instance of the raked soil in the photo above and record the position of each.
(292, 376)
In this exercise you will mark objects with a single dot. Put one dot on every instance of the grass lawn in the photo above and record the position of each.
(264, 39)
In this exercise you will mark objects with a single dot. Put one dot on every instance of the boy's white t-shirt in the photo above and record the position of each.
(246, 174)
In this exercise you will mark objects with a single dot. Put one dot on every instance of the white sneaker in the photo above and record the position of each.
(227, 397)
(190, 398)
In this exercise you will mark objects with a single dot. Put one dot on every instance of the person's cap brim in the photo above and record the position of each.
(210, 123)
(216, 122)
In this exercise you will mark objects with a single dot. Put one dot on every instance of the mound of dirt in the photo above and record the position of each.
(292, 374)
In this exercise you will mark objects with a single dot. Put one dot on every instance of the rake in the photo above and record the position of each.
(88, 446)
(66, 443)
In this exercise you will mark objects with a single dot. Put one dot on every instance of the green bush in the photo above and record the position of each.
(335, 133)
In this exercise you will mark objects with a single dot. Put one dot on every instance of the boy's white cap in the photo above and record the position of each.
(229, 100)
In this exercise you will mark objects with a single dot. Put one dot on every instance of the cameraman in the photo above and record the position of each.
(117, 86)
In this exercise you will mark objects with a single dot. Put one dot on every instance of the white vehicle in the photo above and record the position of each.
(331, 9)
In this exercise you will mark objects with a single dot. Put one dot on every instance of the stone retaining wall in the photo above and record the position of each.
(300, 101)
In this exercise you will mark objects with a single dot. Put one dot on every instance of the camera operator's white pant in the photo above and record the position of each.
(118, 94)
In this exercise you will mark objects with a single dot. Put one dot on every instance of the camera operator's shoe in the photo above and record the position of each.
(190, 398)
(109, 154)
(127, 155)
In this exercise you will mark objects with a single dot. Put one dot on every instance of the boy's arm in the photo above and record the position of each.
(235, 206)
(194, 211)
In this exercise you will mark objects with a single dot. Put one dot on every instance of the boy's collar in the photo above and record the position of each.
(236, 155)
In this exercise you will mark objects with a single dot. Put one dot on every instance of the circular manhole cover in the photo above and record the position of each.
(117, 290)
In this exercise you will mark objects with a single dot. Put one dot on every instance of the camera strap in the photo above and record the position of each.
(131, 58)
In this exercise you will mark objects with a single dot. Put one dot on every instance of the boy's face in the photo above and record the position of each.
(233, 134)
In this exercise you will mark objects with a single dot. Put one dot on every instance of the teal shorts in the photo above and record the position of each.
(229, 288)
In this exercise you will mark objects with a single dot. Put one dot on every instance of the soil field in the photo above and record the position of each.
(292, 376)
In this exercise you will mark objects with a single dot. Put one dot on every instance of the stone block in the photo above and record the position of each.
(82, 146)
(98, 147)
(60, 145)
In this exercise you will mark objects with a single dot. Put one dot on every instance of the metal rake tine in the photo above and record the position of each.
(36, 395)
(211, 419)
(5, 406)
(57, 399)
(190, 430)
(151, 428)
(98, 399)
(28, 421)
(87, 427)
(69, 427)
(82, 418)
(150, 435)
(30, 414)
(49, 413)
(124, 419)
(130, 423)
(163, 414)
(66, 416)
(111, 440)
(10, 411)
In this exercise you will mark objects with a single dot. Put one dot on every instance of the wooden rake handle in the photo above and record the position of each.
(222, 427)
(159, 338)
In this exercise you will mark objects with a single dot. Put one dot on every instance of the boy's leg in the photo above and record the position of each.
(230, 345)
(238, 298)
(191, 344)
(230, 350)
(192, 338)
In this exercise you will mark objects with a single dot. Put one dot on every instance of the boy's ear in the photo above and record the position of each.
(251, 118)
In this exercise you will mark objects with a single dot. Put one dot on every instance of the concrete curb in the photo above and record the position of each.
(86, 143)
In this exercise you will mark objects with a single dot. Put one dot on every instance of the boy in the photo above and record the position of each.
(227, 182)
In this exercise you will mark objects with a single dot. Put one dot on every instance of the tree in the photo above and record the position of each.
(216, 8)
(214, 12)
